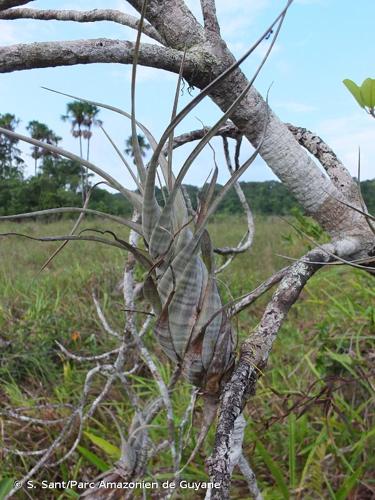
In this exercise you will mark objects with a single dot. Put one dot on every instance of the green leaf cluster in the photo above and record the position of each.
(364, 94)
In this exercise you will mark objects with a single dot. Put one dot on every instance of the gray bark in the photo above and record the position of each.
(7, 4)
(254, 355)
(319, 193)
(88, 16)
(206, 59)
(67, 53)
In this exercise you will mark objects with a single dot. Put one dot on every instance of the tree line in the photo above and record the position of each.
(58, 182)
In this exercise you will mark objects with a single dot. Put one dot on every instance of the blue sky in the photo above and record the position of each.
(322, 42)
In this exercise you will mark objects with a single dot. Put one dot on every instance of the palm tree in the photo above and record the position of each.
(10, 156)
(143, 146)
(41, 132)
(82, 117)
(90, 120)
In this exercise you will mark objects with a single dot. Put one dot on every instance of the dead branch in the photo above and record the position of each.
(250, 297)
(249, 475)
(7, 4)
(101, 50)
(103, 319)
(211, 23)
(88, 16)
(336, 170)
(253, 359)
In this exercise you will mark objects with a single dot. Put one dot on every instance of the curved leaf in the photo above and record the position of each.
(355, 91)
(368, 92)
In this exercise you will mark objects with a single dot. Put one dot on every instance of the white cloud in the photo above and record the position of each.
(348, 133)
(295, 107)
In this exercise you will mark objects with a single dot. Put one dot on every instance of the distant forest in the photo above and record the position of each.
(59, 182)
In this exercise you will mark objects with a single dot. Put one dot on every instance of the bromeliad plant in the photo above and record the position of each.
(192, 325)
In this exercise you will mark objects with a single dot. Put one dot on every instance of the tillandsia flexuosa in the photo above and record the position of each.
(191, 326)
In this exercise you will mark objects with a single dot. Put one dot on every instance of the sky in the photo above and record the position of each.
(321, 43)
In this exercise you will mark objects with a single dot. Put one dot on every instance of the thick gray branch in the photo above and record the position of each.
(88, 16)
(101, 50)
(279, 149)
(211, 23)
(254, 355)
(335, 169)
(7, 4)
(174, 21)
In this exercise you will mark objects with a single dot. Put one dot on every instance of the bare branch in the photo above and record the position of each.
(103, 319)
(174, 21)
(249, 298)
(227, 130)
(76, 357)
(229, 260)
(249, 475)
(101, 50)
(335, 169)
(254, 355)
(7, 4)
(87, 16)
(211, 23)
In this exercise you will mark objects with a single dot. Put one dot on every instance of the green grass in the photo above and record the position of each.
(311, 425)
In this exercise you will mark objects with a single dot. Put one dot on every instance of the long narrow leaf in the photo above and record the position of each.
(139, 186)
(275, 470)
(62, 210)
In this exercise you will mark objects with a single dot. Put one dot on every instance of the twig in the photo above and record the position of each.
(87, 16)
(76, 357)
(211, 23)
(103, 319)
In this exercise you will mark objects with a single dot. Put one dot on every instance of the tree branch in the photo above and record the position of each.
(174, 21)
(253, 359)
(101, 50)
(211, 23)
(250, 297)
(88, 16)
(7, 4)
(335, 169)
(227, 130)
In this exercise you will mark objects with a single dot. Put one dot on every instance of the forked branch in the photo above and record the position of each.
(253, 359)
(211, 23)
(336, 170)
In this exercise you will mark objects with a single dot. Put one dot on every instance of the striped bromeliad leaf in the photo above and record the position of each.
(192, 325)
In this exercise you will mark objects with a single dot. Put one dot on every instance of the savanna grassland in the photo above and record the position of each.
(310, 431)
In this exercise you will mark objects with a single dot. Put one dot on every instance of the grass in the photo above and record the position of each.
(311, 425)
